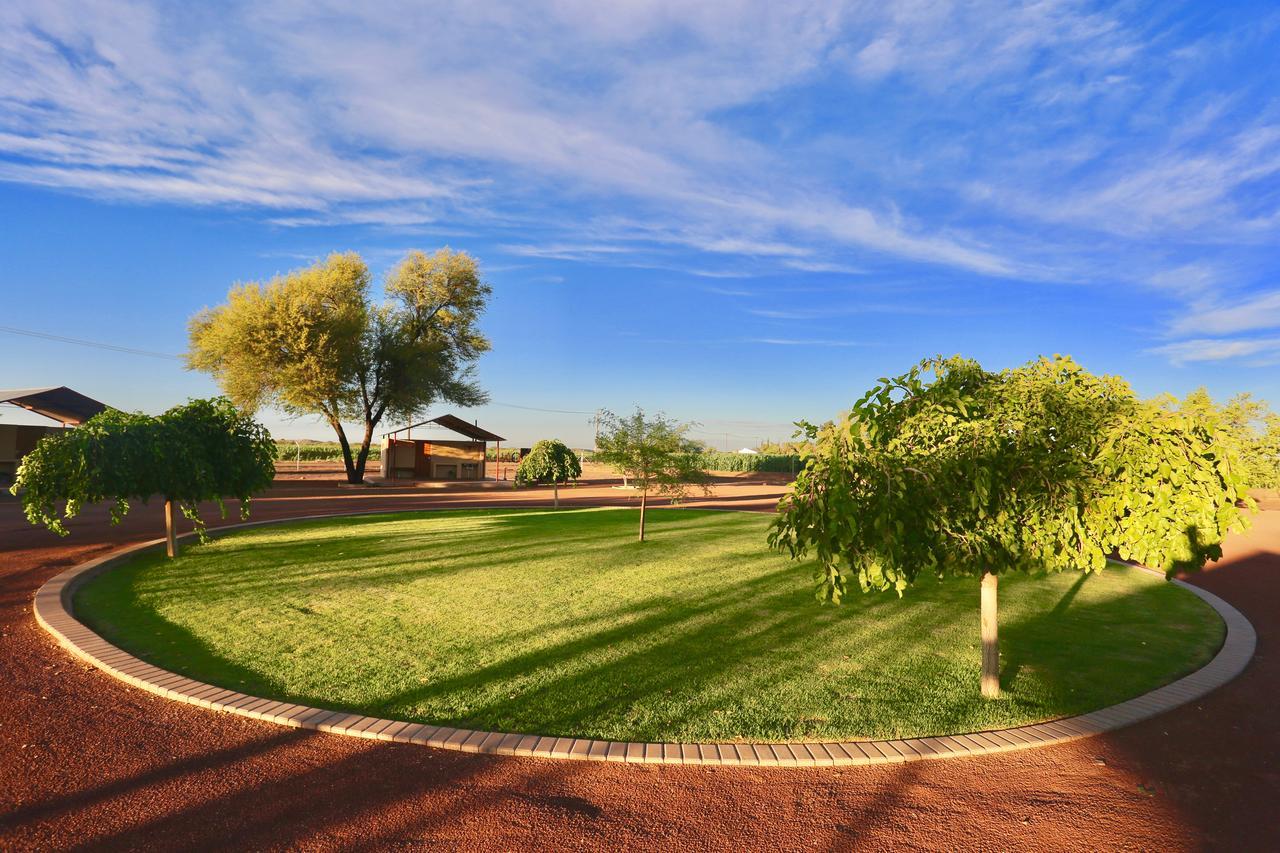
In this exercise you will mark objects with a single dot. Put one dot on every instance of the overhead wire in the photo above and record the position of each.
(31, 333)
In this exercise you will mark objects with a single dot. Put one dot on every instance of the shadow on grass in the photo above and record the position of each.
(758, 655)
(1016, 656)
(1147, 637)
(505, 538)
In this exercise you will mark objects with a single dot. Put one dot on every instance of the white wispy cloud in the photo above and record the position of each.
(1193, 281)
(1262, 350)
(1249, 313)
(566, 251)
(848, 310)
(329, 112)
(959, 45)
(1192, 187)
(824, 266)
(1047, 141)
(806, 342)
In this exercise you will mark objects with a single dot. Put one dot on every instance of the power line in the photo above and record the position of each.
(751, 424)
(536, 409)
(83, 343)
(31, 333)
(721, 432)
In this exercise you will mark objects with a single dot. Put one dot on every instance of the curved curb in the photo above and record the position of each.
(53, 603)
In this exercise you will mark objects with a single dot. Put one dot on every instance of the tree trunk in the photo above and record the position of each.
(990, 638)
(347, 461)
(170, 535)
(555, 491)
(643, 496)
(363, 456)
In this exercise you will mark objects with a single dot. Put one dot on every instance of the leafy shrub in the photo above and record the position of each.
(549, 461)
(204, 450)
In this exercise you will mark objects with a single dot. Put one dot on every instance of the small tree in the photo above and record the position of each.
(653, 453)
(549, 461)
(312, 342)
(205, 450)
(972, 473)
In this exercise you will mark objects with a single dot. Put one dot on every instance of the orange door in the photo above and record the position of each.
(422, 460)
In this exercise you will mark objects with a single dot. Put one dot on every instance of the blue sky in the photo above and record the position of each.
(738, 213)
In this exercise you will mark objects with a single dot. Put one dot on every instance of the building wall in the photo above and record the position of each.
(471, 451)
(16, 441)
(425, 459)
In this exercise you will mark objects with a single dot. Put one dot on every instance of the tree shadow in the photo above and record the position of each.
(1146, 637)
(690, 668)
(346, 556)
(1017, 653)
(1211, 765)
(88, 797)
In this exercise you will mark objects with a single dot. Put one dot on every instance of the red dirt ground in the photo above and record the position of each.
(88, 761)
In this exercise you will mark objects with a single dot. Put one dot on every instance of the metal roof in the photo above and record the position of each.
(455, 424)
(60, 403)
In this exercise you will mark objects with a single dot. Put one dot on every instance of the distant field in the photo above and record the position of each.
(712, 461)
(329, 451)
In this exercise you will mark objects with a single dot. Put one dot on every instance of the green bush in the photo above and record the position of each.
(203, 450)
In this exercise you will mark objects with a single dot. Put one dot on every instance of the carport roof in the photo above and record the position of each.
(60, 403)
(456, 424)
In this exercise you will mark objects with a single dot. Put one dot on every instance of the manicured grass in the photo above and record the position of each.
(561, 624)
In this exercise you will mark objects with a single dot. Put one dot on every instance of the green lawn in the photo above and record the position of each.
(562, 624)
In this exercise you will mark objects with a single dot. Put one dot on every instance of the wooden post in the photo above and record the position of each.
(990, 638)
(643, 495)
(171, 538)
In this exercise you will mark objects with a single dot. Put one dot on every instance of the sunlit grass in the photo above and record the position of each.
(560, 623)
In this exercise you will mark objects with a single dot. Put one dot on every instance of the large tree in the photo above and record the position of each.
(314, 342)
(204, 450)
(953, 470)
(653, 453)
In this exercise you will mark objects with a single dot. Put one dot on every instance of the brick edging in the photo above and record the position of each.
(53, 612)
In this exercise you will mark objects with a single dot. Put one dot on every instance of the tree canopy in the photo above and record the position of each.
(653, 453)
(313, 342)
(953, 470)
(550, 461)
(1249, 424)
(204, 450)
